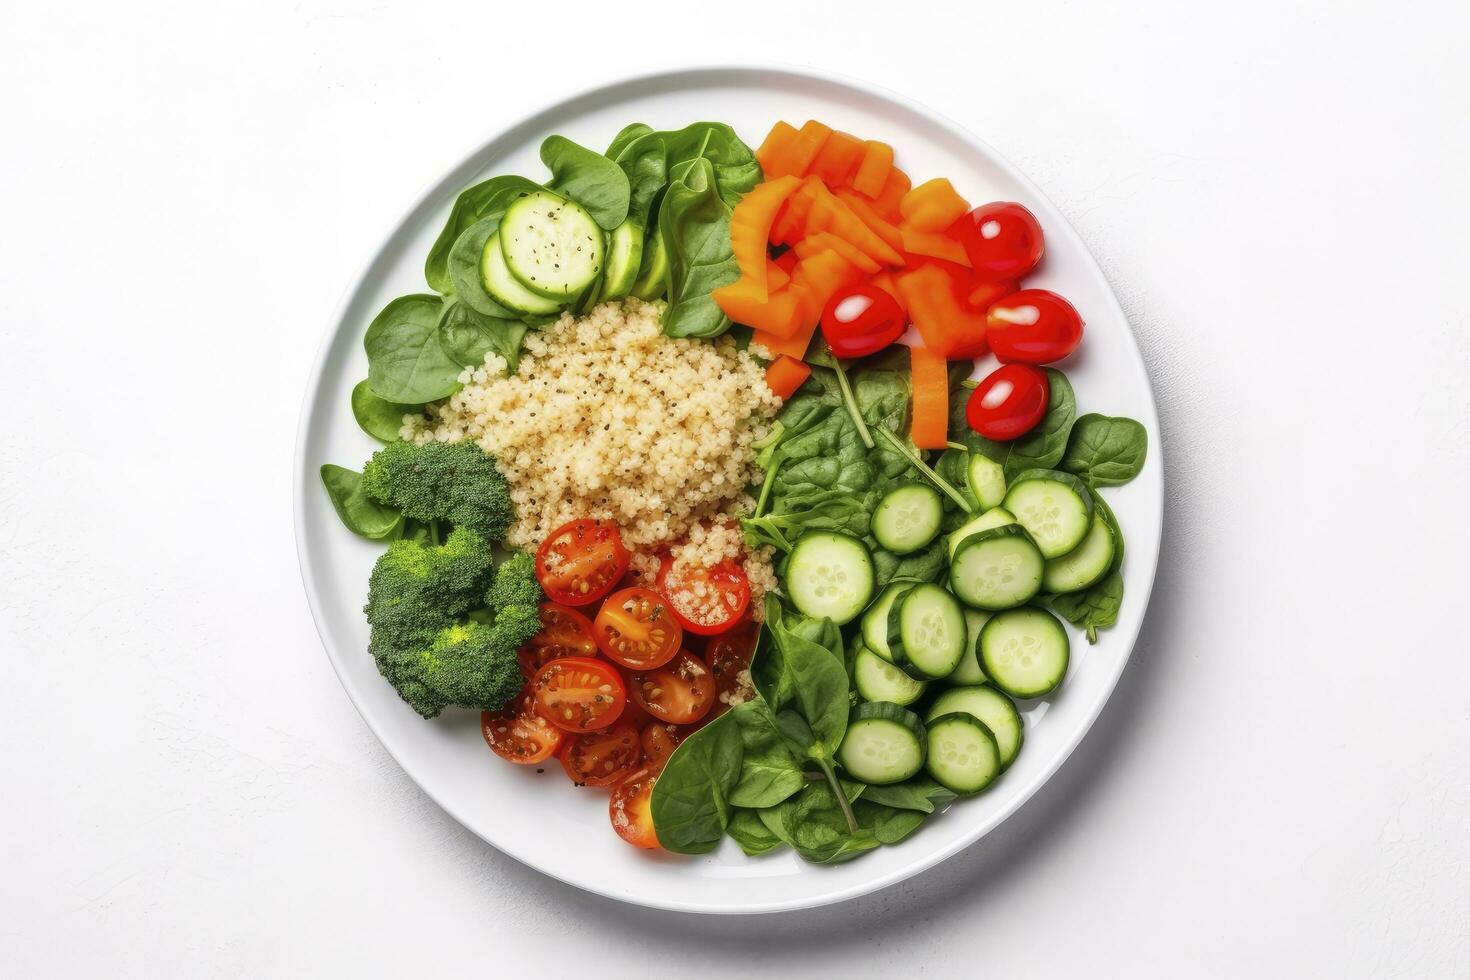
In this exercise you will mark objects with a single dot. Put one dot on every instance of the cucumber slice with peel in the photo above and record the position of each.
(987, 480)
(624, 256)
(878, 680)
(996, 711)
(884, 744)
(907, 518)
(875, 619)
(829, 575)
(969, 670)
(1084, 564)
(994, 517)
(552, 246)
(963, 755)
(504, 288)
(1054, 507)
(997, 569)
(926, 632)
(1025, 652)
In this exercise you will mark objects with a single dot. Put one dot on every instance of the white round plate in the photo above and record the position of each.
(531, 816)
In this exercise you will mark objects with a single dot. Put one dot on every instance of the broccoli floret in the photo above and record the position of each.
(455, 482)
(431, 636)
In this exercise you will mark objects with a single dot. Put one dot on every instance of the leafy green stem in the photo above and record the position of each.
(958, 445)
(840, 793)
(849, 400)
(970, 383)
(918, 463)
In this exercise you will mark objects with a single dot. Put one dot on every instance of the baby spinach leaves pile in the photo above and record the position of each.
(679, 186)
(764, 771)
(1101, 450)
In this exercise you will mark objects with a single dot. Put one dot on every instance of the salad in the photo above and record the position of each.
(686, 486)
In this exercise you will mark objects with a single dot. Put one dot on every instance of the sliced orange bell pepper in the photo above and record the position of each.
(778, 313)
(775, 143)
(750, 225)
(786, 261)
(802, 150)
(889, 198)
(930, 372)
(932, 206)
(824, 240)
(949, 327)
(790, 224)
(776, 276)
(873, 171)
(879, 225)
(884, 281)
(786, 374)
(933, 244)
(821, 275)
(828, 213)
(838, 158)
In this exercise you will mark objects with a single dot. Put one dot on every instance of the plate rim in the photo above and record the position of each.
(452, 179)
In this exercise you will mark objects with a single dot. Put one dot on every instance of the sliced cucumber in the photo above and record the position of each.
(997, 569)
(926, 632)
(908, 518)
(987, 480)
(884, 744)
(996, 711)
(505, 288)
(624, 256)
(964, 756)
(878, 680)
(994, 517)
(465, 260)
(1055, 507)
(969, 671)
(1084, 564)
(830, 574)
(654, 275)
(552, 245)
(875, 620)
(1025, 652)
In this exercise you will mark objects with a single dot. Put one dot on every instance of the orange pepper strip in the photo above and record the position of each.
(779, 313)
(802, 150)
(750, 226)
(894, 188)
(785, 375)
(930, 371)
(839, 157)
(776, 142)
(828, 213)
(933, 244)
(932, 206)
(825, 240)
(949, 327)
(873, 171)
(877, 224)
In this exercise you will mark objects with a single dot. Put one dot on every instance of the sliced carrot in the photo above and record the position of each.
(775, 143)
(790, 224)
(776, 276)
(983, 295)
(794, 345)
(802, 150)
(879, 225)
(838, 158)
(873, 171)
(786, 374)
(823, 240)
(884, 281)
(934, 244)
(932, 206)
(930, 372)
(750, 225)
(828, 213)
(948, 326)
(779, 313)
(889, 198)
(821, 275)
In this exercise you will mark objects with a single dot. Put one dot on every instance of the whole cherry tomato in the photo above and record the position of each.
(581, 561)
(861, 320)
(1003, 240)
(1034, 326)
(1009, 402)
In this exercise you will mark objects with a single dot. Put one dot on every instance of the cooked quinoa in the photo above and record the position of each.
(610, 419)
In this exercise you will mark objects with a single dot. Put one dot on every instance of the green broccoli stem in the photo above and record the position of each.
(915, 460)
(850, 401)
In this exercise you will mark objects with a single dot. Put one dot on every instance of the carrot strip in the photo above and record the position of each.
(778, 313)
(750, 226)
(838, 158)
(888, 199)
(949, 327)
(873, 171)
(824, 240)
(795, 345)
(786, 374)
(930, 426)
(932, 206)
(879, 225)
(802, 150)
(933, 244)
(828, 213)
(775, 143)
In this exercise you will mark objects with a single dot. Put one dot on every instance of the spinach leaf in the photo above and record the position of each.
(589, 178)
(466, 335)
(485, 199)
(1105, 450)
(405, 362)
(887, 824)
(813, 823)
(1042, 448)
(925, 565)
(379, 418)
(920, 793)
(654, 158)
(691, 799)
(695, 224)
(802, 666)
(829, 510)
(1097, 606)
(464, 269)
(753, 836)
(625, 136)
(361, 514)
(769, 772)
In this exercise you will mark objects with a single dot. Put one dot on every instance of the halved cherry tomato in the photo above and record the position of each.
(680, 692)
(1034, 326)
(861, 320)
(730, 655)
(519, 733)
(579, 694)
(601, 758)
(659, 739)
(1008, 402)
(637, 628)
(581, 561)
(564, 633)
(1002, 239)
(631, 809)
(705, 600)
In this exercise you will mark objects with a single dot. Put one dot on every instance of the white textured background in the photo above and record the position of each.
(1278, 193)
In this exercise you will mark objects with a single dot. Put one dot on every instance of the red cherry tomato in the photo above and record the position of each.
(660, 739)
(1003, 240)
(680, 692)
(631, 808)
(564, 633)
(729, 656)
(705, 600)
(579, 694)
(518, 733)
(1034, 326)
(1009, 402)
(861, 320)
(636, 628)
(601, 758)
(581, 561)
